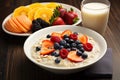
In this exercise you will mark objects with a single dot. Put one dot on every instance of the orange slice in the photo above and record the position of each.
(21, 10)
(44, 13)
(31, 13)
(52, 5)
(34, 5)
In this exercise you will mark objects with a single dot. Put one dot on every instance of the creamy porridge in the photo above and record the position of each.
(52, 54)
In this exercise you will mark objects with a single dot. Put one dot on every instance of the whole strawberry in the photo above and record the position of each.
(70, 17)
(58, 21)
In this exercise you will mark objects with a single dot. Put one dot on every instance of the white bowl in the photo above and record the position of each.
(36, 36)
(66, 6)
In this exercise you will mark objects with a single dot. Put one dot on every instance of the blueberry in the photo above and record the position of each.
(48, 36)
(61, 46)
(66, 39)
(56, 45)
(79, 46)
(82, 49)
(67, 45)
(73, 45)
(63, 42)
(53, 53)
(38, 48)
(71, 41)
(69, 49)
(65, 36)
(57, 54)
(73, 49)
(79, 53)
(75, 33)
(57, 60)
(84, 55)
(77, 42)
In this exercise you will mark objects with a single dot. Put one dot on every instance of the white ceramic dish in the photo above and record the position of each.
(36, 36)
(27, 34)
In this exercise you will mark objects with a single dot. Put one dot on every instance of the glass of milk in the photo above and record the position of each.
(95, 14)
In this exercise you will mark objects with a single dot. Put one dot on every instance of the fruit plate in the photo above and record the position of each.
(35, 37)
(29, 33)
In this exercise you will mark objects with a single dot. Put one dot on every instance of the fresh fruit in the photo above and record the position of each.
(38, 49)
(44, 13)
(58, 21)
(31, 13)
(36, 5)
(84, 55)
(55, 39)
(62, 11)
(83, 39)
(88, 46)
(48, 36)
(24, 21)
(79, 53)
(57, 60)
(56, 34)
(14, 26)
(47, 47)
(73, 36)
(66, 32)
(69, 18)
(56, 45)
(9, 27)
(72, 12)
(52, 5)
(22, 10)
(38, 24)
(21, 28)
(73, 57)
(63, 53)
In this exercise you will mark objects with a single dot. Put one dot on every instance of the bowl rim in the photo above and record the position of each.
(65, 68)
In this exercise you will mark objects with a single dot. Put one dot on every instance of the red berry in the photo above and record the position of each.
(63, 53)
(88, 46)
(62, 11)
(73, 36)
(55, 39)
(58, 21)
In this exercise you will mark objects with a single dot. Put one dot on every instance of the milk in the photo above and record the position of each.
(95, 16)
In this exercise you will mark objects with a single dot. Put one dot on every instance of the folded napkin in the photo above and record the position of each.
(101, 69)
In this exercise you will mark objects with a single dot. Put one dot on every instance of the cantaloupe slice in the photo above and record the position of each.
(24, 21)
(14, 26)
(8, 27)
(19, 25)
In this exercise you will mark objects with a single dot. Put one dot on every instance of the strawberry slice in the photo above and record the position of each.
(58, 21)
(47, 47)
(73, 57)
(83, 39)
(66, 32)
(56, 34)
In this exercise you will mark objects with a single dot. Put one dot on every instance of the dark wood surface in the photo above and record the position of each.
(15, 66)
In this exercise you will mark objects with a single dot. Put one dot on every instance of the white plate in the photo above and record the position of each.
(30, 41)
(27, 34)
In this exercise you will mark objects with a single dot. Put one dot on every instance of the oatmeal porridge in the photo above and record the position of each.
(65, 49)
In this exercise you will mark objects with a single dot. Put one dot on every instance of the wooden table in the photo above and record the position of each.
(15, 66)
